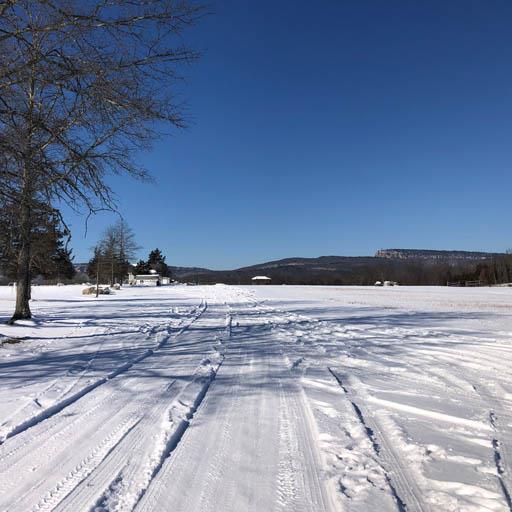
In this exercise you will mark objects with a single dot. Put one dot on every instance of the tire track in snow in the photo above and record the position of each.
(287, 484)
(53, 431)
(84, 467)
(55, 386)
(52, 463)
(407, 494)
(122, 489)
(400, 479)
(218, 465)
(215, 453)
(460, 380)
(299, 479)
(96, 413)
(426, 343)
(10, 432)
(37, 454)
(189, 401)
(120, 481)
(178, 428)
(295, 489)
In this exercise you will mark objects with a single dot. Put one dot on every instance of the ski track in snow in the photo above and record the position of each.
(62, 402)
(283, 399)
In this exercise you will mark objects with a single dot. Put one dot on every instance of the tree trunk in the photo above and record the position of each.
(97, 273)
(22, 311)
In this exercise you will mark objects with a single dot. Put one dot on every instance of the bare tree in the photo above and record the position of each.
(110, 253)
(84, 84)
(117, 248)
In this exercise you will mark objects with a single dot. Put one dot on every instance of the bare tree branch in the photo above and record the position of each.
(84, 85)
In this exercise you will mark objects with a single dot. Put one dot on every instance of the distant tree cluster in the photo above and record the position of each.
(156, 262)
(498, 270)
(113, 253)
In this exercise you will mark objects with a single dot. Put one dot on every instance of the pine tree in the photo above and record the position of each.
(156, 261)
(50, 257)
(142, 268)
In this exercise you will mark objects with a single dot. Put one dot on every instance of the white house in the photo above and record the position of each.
(152, 279)
(261, 280)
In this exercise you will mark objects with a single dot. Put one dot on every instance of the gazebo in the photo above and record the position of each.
(261, 280)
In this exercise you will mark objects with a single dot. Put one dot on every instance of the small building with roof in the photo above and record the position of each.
(152, 279)
(261, 280)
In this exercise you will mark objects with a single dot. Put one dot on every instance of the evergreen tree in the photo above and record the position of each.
(156, 261)
(50, 257)
(55, 261)
(142, 267)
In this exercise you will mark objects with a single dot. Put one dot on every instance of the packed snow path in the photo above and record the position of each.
(258, 399)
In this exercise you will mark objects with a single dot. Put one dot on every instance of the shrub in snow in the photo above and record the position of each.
(91, 290)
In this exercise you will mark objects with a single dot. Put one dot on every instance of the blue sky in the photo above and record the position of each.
(333, 127)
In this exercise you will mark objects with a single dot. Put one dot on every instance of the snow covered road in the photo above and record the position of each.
(222, 398)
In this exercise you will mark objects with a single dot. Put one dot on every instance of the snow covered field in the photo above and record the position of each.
(269, 398)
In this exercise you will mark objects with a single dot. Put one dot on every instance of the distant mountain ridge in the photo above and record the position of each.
(411, 266)
(408, 266)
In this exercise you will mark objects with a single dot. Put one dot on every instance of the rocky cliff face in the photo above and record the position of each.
(420, 254)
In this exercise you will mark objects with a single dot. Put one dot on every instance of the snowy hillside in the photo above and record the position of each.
(273, 398)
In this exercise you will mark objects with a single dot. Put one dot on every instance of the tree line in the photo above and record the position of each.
(497, 270)
(52, 261)
(406, 272)
(113, 254)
